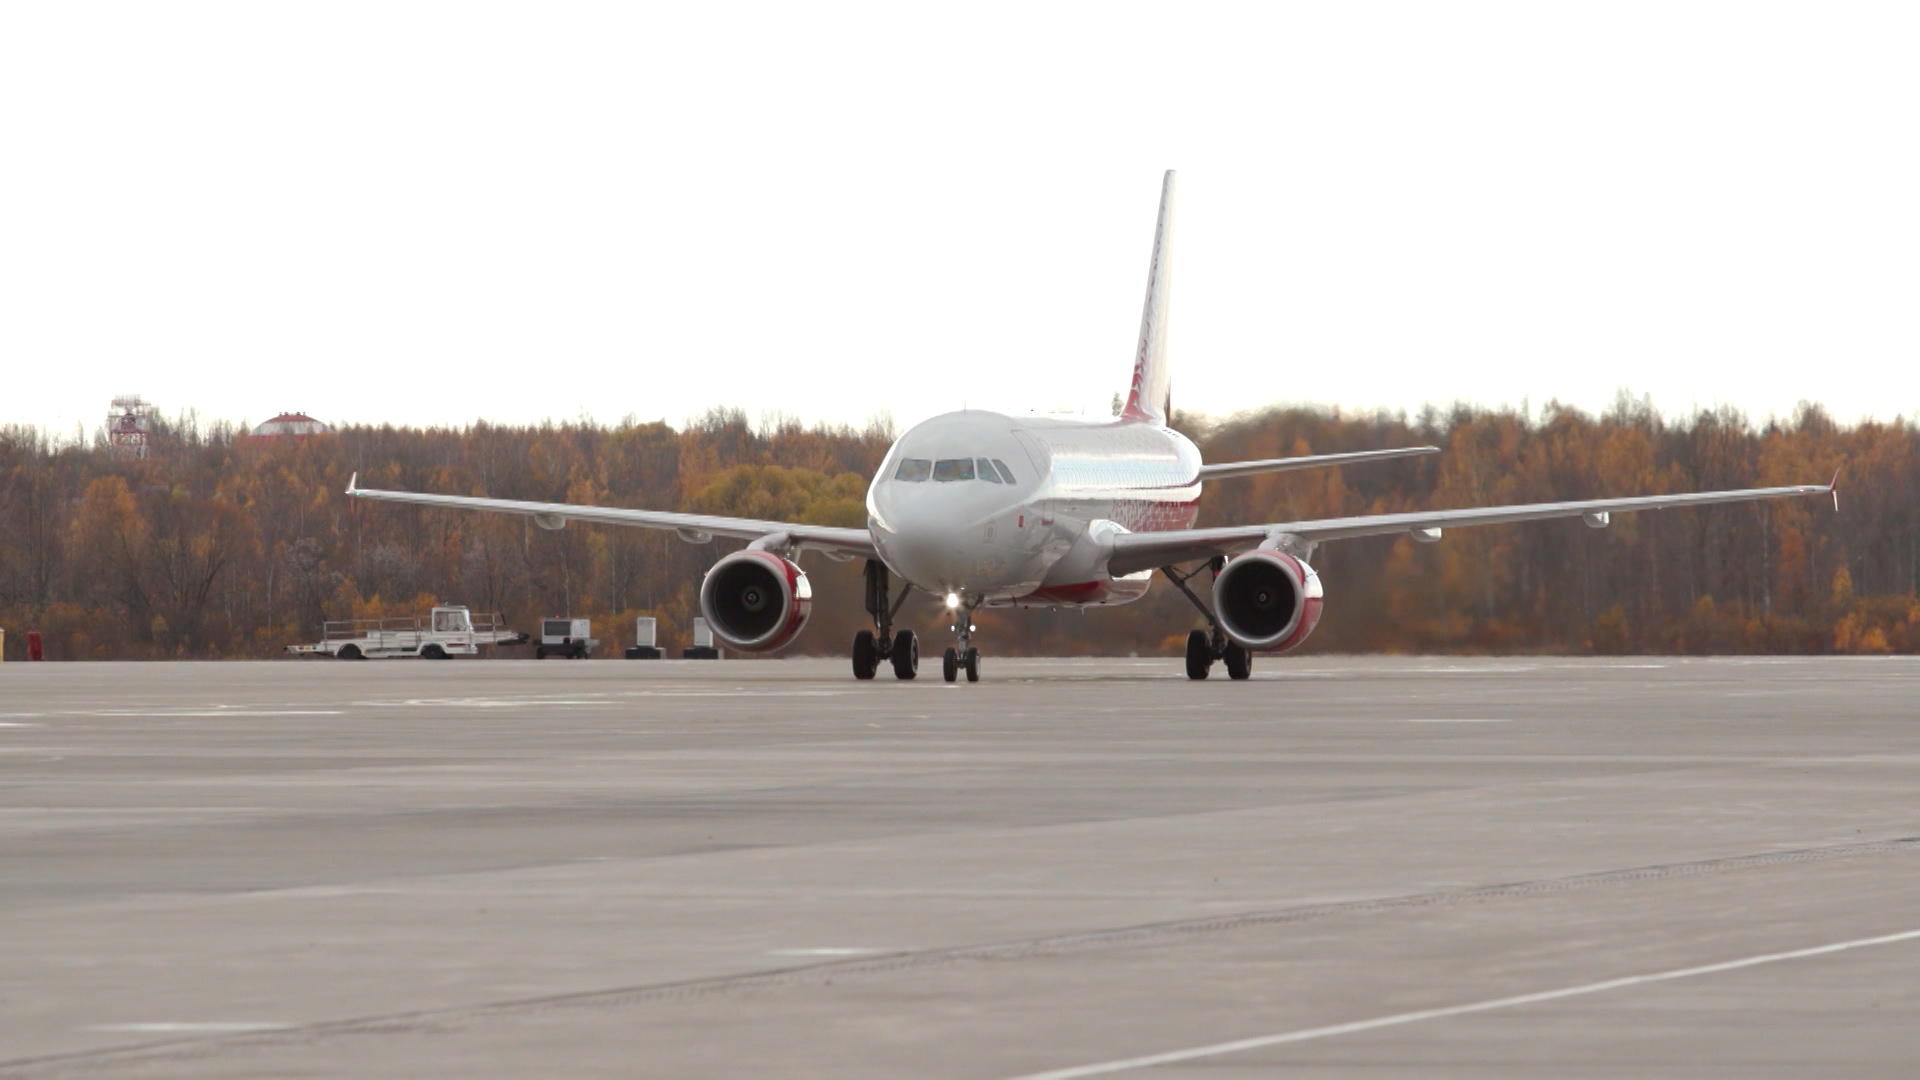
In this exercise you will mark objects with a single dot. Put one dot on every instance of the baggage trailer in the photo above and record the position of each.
(442, 635)
(643, 647)
(571, 638)
(703, 647)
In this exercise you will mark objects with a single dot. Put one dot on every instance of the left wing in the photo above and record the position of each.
(693, 528)
(1133, 552)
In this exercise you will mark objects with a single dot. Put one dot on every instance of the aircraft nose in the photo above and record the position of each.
(923, 551)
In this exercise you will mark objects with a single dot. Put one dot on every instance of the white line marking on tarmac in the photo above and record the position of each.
(132, 809)
(1239, 1045)
(222, 712)
(1457, 719)
(491, 703)
(825, 952)
(738, 693)
(15, 723)
(208, 1027)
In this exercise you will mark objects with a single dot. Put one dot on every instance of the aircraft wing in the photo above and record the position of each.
(693, 528)
(1133, 552)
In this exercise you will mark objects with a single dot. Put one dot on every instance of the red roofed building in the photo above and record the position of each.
(291, 426)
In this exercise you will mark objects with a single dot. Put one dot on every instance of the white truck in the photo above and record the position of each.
(445, 633)
(571, 638)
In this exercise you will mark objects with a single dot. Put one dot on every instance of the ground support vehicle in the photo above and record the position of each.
(570, 638)
(445, 633)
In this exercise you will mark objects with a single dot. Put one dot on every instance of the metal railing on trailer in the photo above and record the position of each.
(446, 632)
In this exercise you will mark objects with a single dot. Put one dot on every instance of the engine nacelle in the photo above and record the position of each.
(755, 601)
(1267, 601)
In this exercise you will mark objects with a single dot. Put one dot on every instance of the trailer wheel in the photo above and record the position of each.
(539, 652)
(434, 652)
(350, 652)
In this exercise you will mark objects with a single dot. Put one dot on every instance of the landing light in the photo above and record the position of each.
(953, 600)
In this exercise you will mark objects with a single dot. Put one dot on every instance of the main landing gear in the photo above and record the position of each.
(1206, 646)
(870, 648)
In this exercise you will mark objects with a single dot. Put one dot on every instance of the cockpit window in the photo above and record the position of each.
(913, 470)
(986, 470)
(1005, 473)
(953, 469)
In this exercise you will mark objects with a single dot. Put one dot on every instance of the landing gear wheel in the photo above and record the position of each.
(1199, 654)
(1239, 662)
(866, 658)
(949, 665)
(973, 665)
(906, 655)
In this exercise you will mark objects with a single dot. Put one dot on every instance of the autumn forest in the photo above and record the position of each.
(221, 545)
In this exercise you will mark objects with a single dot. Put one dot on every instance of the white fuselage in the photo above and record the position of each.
(941, 523)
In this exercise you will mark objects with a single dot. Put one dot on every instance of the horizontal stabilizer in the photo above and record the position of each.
(1317, 461)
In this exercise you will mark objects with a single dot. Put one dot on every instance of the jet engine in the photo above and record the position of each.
(1267, 601)
(755, 601)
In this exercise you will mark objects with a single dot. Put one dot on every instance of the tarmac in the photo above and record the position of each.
(1347, 867)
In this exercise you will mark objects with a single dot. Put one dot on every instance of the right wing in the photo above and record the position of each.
(693, 528)
(1134, 552)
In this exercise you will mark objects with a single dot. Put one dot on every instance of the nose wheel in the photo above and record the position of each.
(955, 661)
(871, 648)
(963, 657)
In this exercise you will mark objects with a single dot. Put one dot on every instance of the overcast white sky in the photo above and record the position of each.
(432, 213)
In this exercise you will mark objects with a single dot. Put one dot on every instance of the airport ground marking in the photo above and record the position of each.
(206, 1027)
(848, 967)
(174, 715)
(1173, 1057)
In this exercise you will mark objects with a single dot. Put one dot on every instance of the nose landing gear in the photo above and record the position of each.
(965, 657)
(1206, 646)
(870, 648)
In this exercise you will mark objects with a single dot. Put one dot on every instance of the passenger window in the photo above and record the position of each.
(1005, 473)
(953, 469)
(986, 470)
(913, 470)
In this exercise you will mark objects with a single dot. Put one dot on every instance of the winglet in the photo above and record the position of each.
(353, 483)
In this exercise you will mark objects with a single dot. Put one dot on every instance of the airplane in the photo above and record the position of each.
(983, 509)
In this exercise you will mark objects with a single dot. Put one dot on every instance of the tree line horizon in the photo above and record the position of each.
(222, 545)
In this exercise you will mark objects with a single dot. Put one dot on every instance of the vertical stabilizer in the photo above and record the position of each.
(1152, 380)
